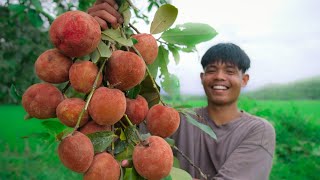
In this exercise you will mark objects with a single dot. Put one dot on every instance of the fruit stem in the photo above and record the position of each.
(123, 124)
(143, 142)
(124, 36)
(189, 161)
(112, 144)
(128, 120)
(134, 28)
(88, 99)
(152, 79)
(131, 4)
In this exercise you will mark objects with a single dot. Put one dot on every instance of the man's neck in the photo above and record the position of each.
(223, 114)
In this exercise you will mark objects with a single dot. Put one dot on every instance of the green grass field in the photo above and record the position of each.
(296, 123)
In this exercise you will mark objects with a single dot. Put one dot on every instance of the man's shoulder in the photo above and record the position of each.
(262, 131)
(258, 123)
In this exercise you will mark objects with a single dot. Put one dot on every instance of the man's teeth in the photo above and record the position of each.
(220, 87)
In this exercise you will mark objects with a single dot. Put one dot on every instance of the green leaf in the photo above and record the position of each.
(122, 135)
(133, 93)
(115, 34)
(85, 58)
(54, 127)
(14, 93)
(126, 17)
(101, 140)
(120, 146)
(107, 38)
(176, 162)
(40, 135)
(35, 18)
(64, 133)
(164, 18)
(178, 174)
(95, 56)
(104, 50)
(171, 84)
(145, 136)
(134, 40)
(132, 174)
(124, 6)
(201, 126)
(126, 153)
(149, 92)
(170, 141)
(17, 8)
(189, 49)
(154, 67)
(167, 177)
(189, 34)
(175, 54)
(150, 6)
(163, 56)
(37, 4)
(130, 133)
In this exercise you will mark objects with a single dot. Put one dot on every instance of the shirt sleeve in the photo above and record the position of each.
(252, 159)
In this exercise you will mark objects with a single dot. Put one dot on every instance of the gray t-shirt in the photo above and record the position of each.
(243, 150)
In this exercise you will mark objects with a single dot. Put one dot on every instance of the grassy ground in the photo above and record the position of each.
(296, 124)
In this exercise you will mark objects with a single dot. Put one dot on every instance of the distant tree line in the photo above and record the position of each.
(307, 89)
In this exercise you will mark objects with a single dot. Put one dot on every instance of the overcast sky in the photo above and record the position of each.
(282, 38)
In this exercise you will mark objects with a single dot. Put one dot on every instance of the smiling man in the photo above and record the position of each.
(245, 143)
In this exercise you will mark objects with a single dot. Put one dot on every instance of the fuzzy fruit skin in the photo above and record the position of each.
(92, 127)
(147, 47)
(124, 70)
(155, 161)
(162, 121)
(41, 100)
(103, 167)
(53, 67)
(75, 33)
(76, 152)
(68, 112)
(137, 109)
(82, 75)
(107, 106)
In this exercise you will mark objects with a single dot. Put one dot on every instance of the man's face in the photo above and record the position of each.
(222, 83)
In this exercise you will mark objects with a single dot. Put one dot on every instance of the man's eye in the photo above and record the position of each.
(210, 71)
(230, 71)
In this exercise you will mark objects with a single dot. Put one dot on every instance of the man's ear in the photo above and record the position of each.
(201, 77)
(245, 79)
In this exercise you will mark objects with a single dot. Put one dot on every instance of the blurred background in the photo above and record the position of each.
(281, 38)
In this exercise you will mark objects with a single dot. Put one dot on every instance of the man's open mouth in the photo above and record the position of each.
(219, 87)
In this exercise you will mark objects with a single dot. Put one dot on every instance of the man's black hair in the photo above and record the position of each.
(226, 53)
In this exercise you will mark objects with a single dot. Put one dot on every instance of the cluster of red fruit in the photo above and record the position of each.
(76, 34)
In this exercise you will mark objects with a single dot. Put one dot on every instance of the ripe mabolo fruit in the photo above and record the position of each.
(162, 121)
(68, 112)
(137, 109)
(75, 33)
(103, 167)
(92, 127)
(124, 70)
(154, 161)
(41, 100)
(82, 75)
(147, 47)
(53, 67)
(76, 152)
(107, 106)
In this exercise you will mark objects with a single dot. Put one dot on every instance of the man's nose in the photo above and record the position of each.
(220, 75)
